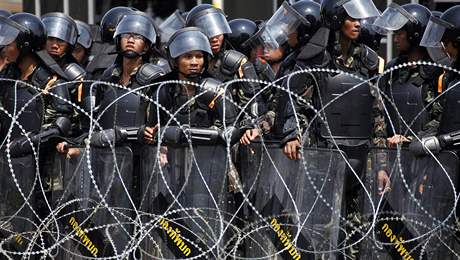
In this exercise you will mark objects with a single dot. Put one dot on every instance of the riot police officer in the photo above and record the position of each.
(225, 64)
(62, 34)
(135, 36)
(441, 38)
(30, 64)
(62, 37)
(353, 133)
(304, 22)
(412, 90)
(82, 49)
(189, 53)
(205, 115)
(104, 53)
(23, 36)
(242, 29)
(122, 108)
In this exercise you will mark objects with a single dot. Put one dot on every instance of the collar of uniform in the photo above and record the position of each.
(354, 51)
(116, 72)
(347, 63)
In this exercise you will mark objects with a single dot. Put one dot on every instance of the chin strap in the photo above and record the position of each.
(130, 54)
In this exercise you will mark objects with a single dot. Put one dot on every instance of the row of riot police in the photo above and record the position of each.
(217, 139)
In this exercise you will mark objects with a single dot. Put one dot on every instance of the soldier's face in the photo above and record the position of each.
(133, 42)
(79, 53)
(401, 41)
(256, 52)
(273, 55)
(350, 28)
(216, 43)
(9, 53)
(292, 39)
(451, 50)
(56, 47)
(191, 63)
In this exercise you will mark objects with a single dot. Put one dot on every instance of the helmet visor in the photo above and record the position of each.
(84, 38)
(284, 22)
(61, 28)
(439, 55)
(213, 24)
(187, 41)
(138, 24)
(393, 18)
(434, 32)
(8, 32)
(173, 23)
(360, 9)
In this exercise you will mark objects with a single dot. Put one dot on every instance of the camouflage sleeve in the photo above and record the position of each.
(379, 130)
(435, 109)
(379, 124)
(300, 106)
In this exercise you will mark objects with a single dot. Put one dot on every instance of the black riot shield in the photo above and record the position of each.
(18, 219)
(416, 218)
(70, 184)
(111, 201)
(156, 196)
(296, 205)
(183, 202)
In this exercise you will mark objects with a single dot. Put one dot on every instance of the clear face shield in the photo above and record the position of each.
(277, 30)
(61, 28)
(432, 40)
(190, 39)
(212, 23)
(84, 39)
(393, 19)
(8, 31)
(169, 26)
(138, 24)
(359, 9)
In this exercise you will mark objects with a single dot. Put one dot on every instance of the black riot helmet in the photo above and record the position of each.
(311, 10)
(85, 39)
(5, 13)
(27, 29)
(242, 30)
(412, 18)
(110, 20)
(210, 20)
(61, 26)
(334, 12)
(136, 23)
(439, 32)
(369, 34)
(186, 40)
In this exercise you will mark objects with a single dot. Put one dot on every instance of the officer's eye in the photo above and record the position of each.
(133, 35)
